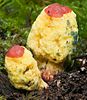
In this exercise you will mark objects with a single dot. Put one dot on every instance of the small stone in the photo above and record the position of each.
(82, 68)
(58, 83)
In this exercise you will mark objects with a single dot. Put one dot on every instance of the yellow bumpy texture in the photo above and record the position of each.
(50, 38)
(23, 72)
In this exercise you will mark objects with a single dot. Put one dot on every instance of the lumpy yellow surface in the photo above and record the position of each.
(51, 38)
(23, 72)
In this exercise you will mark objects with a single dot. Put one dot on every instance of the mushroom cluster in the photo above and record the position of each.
(52, 37)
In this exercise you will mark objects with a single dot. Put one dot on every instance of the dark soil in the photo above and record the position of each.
(65, 86)
(7, 89)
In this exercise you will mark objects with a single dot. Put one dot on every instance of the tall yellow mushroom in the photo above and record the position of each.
(53, 35)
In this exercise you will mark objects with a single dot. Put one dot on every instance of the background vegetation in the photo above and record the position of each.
(17, 16)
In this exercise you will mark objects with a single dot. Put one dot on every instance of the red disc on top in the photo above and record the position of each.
(57, 10)
(15, 51)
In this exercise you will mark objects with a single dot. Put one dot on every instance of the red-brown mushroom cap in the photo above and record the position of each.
(15, 51)
(57, 10)
(47, 75)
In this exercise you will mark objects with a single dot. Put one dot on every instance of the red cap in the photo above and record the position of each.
(15, 51)
(57, 10)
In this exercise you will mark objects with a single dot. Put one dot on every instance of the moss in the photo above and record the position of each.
(2, 98)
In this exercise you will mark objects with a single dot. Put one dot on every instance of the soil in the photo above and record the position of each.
(65, 86)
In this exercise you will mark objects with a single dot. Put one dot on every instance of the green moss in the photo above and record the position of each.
(2, 98)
